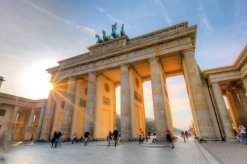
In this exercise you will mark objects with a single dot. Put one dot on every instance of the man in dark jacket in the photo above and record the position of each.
(169, 138)
(115, 136)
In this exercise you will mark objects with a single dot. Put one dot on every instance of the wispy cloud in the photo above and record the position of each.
(203, 17)
(164, 12)
(110, 17)
(90, 31)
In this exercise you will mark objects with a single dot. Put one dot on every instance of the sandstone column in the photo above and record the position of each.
(48, 117)
(243, 99)
(224, 115)
(90, 105)
(160, 110)
(200, 108)
(41, 116)
(30, 125)
(68, 108)
(233, 108)
(125, 104)
(13, 119)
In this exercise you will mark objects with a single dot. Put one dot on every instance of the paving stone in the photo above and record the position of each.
(186, 153)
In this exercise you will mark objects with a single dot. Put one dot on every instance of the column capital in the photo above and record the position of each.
(155, 58)
(188, 50)
(93, 73)
(125, 67)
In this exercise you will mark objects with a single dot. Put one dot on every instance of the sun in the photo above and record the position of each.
(35, 81)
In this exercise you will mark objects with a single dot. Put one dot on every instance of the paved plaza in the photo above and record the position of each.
(97, 152)
(228, 152)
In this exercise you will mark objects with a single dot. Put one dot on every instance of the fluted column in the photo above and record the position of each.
(125, 104)
(68, 108)
(224, 115)
(243, 99)
(90, 106)
(13, 119)
(30, 125)
(48, 117)
(38, 130)
(160, 110)
(233, 108)
(200, 109)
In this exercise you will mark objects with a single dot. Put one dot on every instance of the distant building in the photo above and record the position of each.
(20, 117)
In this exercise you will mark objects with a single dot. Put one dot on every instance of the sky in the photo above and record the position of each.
(35, 34)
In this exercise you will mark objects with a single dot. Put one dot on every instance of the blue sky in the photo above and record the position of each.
(34, 34)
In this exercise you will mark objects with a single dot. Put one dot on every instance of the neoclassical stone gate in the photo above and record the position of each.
(83, 98)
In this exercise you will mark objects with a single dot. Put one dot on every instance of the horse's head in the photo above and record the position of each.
(103, 32)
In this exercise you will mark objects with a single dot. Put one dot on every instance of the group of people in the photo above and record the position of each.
(241, 134)
(115, 136)
(185, 135)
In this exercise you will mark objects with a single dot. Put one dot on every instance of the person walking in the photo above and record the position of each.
(183, 135)
(186, 134)
(86, 135)
(108, 138)
(243, 134)
(74, 138)
(169, 138)
(58, 139)
(141, 136)
(53, 140)
(115, 136)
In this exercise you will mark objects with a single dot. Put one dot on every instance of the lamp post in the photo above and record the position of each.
(1, 80)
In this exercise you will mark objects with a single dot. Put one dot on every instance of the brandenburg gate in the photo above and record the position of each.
(83, 98)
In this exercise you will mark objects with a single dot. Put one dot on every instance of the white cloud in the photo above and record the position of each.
(164, 12)
(90, 31)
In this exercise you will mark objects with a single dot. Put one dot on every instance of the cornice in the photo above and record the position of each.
(218, 70)
(157, 39)
(242, 59)
(21, 101)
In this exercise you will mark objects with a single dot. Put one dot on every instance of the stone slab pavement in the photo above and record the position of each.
(98, 152)
(227, 152)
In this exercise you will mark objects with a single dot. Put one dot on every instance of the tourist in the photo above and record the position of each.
(119, 138)
(183, 135)
(86, 135)
(108, 138)
(115, 136)
(238, 135)
(141, 136)
(169, 138)
(243, 134)
(186, 134)
(74, 138)
(53, 140)
(58, 139)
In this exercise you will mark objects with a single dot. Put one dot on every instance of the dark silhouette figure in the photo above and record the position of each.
(169, 138)
(108, 138)
(86, 135)
(183, 135)
(53, 140)
(115, 136)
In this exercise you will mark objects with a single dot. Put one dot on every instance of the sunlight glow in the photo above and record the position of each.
(35, 82)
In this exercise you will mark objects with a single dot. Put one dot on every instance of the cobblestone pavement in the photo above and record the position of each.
(228, 152)
(97, 152)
